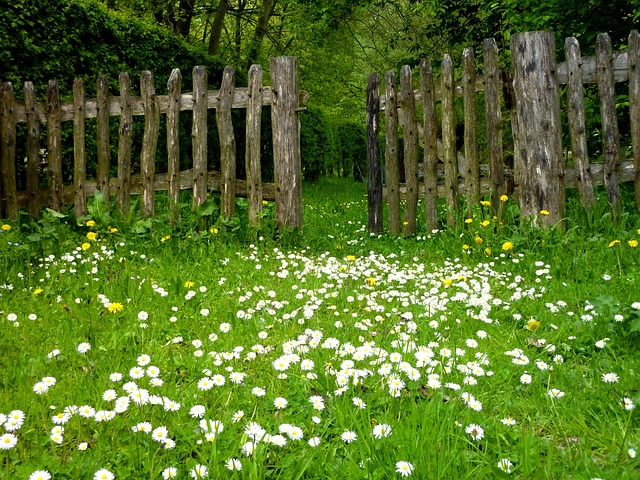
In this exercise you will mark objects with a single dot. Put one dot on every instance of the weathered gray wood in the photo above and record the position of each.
(227, 145)
(33, 148)
(103, 134)
(575, 100)
(391, 155)
(430, 145)
(8, 151)
(408, 105)
(79, 155)
(286, 141)
(610, 134)
(472, 172)
(174, 86)
(199, 136)
(161, 184)
(54, 154)
(149, 142)
(493, 112)
(374, 174)
(124, 144)
(539, 146)
(619, 65)
(449, 140)
(634, 106)
(252, 155)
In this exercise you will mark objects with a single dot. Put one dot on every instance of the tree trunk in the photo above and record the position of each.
(184, 17)
(216, 29)
(261, 30)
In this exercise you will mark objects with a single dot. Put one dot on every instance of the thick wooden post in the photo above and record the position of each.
(149, 142)
(391, 155)
(537, 106)
(33, 149)
(252, 155)
(227, 145)
(8, 149)
(374, 175)
(199, 136)
(103, 134)
(430, 142)
(449, 141)
(634, 106)
(54, 154)
(79, 155)
(493, 112)
(410, 128)
(286, 141)
(610, 133)
(124, 144)
(472, 168)
(174, 87)
(575, 99)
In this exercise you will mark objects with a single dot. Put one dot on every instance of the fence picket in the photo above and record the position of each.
(449, 141)
(124, 144)
(174, 86)
(575, 98)
(33, 149)
(472, 168)
(634, 106)
(79, 156)
(374, 174)
(149, 142)
(227, 144)
(410, 129)
(102, 134)
(199, 136)
(8, 150)
(54, 154)
(252, 154)
(610, 135)
(430, 144)
(391, 154)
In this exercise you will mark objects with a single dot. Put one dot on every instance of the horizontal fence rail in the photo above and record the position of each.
(528, 97)
(283, 96)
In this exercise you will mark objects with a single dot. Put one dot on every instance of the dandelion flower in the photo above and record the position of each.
(404, 468)
(115, 307)
(544, 212)
(507, 246)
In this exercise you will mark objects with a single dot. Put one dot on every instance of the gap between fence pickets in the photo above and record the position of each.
(240, 99)
(620, 64)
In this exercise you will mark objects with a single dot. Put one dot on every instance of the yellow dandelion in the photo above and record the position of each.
(532, 325)
(447, 281)
(85, 246)
(544, 212)
(112, 229)
(487, 251)
(465, 247)
(165, 238)
(351, 258)
(6, 227)
(115, 307)
(189, 284)
(503, 198)
(38, 291)
(479, 240)
(507, 246)
(90, 223)
(485, 203)
(213, 231)
(614, 243)
(633, 243)
(264, 202)
(92, 236)
(485, 223)
(405, 223)
(371, 281)
(468, 220)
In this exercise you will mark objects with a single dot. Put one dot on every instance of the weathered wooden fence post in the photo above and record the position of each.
(374, 175)
(286, 141)
(391, 154)
(174, 88)
(449, 141)
(227, 145)
(124, 144)
(430, 143)
(472, 168)
(33, 149)
(539, 149)
(8, 149)
(407, 103)
(252, 155)
(199, 136)
(54, 147)
(79, 155)
(634, 106)
(149, 142)
(104, 149)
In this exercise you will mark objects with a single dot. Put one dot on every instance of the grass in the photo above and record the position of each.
(494, 351)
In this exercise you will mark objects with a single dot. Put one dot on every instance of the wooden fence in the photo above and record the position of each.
(539, 174)
(283, 96)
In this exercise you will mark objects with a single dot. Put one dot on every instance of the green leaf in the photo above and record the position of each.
(53, 213)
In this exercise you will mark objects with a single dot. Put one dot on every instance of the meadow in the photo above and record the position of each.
(137, 349)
